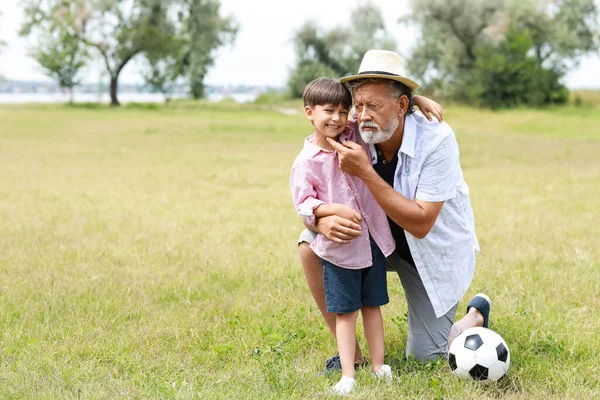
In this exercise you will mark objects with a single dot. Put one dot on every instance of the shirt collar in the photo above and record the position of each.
(409, 136)
(312, 149)
(408, 140)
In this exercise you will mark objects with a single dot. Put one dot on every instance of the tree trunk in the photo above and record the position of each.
(113, 91)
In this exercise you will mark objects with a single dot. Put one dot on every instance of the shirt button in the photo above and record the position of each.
(384, 161)
(379, 152)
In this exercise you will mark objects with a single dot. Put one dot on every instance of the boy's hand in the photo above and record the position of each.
(347, 212)
(429, 107)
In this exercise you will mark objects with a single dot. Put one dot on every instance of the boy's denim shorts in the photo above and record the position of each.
(349, 290)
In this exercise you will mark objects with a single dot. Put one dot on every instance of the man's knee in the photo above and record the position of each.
(425, 354)
(305, 252)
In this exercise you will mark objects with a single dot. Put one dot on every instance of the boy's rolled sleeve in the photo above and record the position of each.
(304, 195)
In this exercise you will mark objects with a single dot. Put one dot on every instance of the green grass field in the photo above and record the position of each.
(151, 253)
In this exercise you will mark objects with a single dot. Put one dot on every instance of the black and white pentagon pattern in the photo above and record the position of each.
(479, 354)
(473, 342)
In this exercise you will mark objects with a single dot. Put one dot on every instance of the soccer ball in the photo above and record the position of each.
(479, 354)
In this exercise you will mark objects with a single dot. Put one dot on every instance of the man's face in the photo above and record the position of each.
(377, 112)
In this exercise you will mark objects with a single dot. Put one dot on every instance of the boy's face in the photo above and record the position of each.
(328, 120)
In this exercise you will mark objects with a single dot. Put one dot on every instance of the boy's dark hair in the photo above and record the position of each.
(323, 91)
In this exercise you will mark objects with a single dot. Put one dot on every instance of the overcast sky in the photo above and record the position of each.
(263, 53)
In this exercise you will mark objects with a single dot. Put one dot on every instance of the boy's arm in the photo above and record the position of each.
(304, 196)
(428, 106)
(341, 210)
(337, 222)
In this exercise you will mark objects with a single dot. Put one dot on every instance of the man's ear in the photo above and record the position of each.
(402, 104)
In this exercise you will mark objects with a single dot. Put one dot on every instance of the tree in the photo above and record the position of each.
(558, 33)
(508, 75)
(339, 51)
(119, 30)
(367, 31)
(62, 56)
(562, 31)
(451, 30)
(205, 31)
(165, 68)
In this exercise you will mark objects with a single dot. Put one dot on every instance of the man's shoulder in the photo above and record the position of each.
(431, 132)
(433, 127)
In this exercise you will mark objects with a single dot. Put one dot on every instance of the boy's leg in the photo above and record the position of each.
(313, 271)
(373, 324)
(374, 295)
(346, 340)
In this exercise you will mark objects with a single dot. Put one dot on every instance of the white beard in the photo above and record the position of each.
(380, 135)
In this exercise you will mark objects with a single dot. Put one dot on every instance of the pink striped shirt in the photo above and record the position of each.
(317, 179)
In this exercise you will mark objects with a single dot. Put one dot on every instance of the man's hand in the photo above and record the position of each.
(352, 156)
(338, 229)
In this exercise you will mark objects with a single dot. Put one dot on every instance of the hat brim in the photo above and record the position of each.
(408, 82)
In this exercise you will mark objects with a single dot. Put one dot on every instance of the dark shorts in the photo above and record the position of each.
(349, 290)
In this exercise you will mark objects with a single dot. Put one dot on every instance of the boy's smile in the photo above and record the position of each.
(328, 120)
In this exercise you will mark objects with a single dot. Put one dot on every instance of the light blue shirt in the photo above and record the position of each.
(429, 170)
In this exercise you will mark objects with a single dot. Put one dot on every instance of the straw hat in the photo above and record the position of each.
(382, 64)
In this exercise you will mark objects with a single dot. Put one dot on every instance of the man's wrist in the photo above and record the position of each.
(367, 173)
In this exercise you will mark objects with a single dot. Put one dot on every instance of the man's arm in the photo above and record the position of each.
(416, 217)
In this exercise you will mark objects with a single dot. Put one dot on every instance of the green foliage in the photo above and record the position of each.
(62, 56)
(508, 76)
(337, 52)
(163, 64)
(117, 30)
(272, 98)
(562, 31)
(177, 37)
(306, 72)
(558, 33)
(206, 31)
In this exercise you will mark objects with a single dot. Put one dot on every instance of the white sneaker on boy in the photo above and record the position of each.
(344, 386)
(385, 373)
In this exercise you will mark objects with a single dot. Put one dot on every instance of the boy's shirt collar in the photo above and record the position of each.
(313, 150)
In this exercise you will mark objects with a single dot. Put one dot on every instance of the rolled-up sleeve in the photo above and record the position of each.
(441, 169)
(304, 194)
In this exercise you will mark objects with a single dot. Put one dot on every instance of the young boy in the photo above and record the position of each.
(354, 274)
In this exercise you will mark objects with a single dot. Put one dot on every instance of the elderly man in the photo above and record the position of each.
(414, 174)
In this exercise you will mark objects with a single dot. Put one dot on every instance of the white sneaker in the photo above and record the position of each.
(385, 373)
(344, 386)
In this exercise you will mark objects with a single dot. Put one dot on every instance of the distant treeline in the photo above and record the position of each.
(485, 52)
(176, 39)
